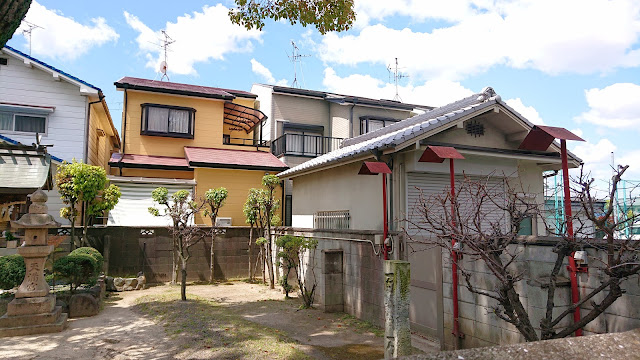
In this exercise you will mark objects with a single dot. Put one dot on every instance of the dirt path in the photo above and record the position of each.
(120, 332)
(116, 333)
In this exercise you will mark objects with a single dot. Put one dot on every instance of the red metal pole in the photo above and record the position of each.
(575, 295)
(384, 210)
(454, 255)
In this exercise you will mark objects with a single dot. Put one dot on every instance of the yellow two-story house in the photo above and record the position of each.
(191, 137)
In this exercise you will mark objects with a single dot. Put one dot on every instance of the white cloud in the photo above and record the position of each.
(265, 73)
(546, 35)
(596, 157)
(433, 93)
(62, 37)
(451, 10)
(529, 112)
(615, 106)
(199, 37)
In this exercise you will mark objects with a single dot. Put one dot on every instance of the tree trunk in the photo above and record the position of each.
(269, 257)
(250, 252)
(183, 282)
(85, 225)
(13, 11)
(211, 258)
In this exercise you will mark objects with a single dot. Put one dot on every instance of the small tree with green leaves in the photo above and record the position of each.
(254, 217)
(84, 185)
(214, 199)
(269, 206)
(181, 209)
(292, 254)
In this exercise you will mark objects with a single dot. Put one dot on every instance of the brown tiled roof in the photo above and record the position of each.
(148, 162)
(233, 159)
(180, 89)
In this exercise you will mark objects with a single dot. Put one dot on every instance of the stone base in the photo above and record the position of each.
(31, 306)
(54, 321)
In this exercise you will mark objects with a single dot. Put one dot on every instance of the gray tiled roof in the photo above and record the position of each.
(406, 130)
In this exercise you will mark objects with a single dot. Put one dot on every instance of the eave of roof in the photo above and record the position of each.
(69, 77)
(181, 89)
(349, 99)
(407, 130)
(13, 142)
(233, 159)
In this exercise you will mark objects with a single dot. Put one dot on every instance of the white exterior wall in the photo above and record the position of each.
(339, 188)
(32, 86)
(265, 96)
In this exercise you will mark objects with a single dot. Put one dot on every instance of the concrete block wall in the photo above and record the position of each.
(363, 280)
(149, 250)
(481, 327)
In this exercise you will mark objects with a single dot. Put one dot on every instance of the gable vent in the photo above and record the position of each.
(474, 128)
(4, 61)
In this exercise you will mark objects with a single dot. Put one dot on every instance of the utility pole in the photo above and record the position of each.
(396, 77)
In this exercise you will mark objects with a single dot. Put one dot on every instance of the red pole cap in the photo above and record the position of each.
(541, 137)
(437, 154)
(374, 168)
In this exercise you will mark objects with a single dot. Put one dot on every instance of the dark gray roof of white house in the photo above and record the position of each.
(407, 129)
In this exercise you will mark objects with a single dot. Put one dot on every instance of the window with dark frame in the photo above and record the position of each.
(372, 123)
(28, 123)
(165, 120)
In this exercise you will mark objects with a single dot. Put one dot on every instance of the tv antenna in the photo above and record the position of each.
(397, 76)
(27, 32)
(165, 46)
(295, 59)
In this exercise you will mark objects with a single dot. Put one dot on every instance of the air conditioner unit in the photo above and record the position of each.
(223, 221)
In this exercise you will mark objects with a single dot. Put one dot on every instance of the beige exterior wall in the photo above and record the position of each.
(341, 117)
(100, 145)
(341, 188)
(300, 110)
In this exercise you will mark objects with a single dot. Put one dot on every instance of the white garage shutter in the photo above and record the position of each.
(431, 184)
(132, 209)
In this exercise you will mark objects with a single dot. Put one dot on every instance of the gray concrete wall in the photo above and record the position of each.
(483, 328)
(363, 292)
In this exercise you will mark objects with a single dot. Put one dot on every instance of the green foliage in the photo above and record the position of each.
(8, 235)
(77, 269)
(95, 254)
(251, 207)
(13, 11)
(291, 250)
(160, 195)
(261, 241)
(325, 15)
(215, 199)
(270, 181)
(12, 270)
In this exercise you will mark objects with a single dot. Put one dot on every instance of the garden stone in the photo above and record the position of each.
(109, 282)
(82, 305)
(142, 280)
(63, 305)
(96, 292)
(130, 284)
(118, 283)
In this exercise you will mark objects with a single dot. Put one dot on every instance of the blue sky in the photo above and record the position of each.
(569, 63)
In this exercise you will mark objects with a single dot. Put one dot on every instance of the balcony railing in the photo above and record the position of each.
(227, 140)
(304, 145)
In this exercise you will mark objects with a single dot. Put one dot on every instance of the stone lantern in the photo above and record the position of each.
(34, 310)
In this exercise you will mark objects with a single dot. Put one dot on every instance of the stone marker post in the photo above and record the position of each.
(34, 310)
(397, 331)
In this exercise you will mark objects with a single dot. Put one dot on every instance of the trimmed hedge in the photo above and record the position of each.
(93, 253)
(77, 269)
(12, 270)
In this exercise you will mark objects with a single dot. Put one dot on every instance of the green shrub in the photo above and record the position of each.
(12, 271)
(77, 269)
(93, 253)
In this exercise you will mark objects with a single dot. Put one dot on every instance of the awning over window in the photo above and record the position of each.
(26, 109)
(242, 116)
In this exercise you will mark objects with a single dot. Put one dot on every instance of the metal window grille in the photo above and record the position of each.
(339, 219)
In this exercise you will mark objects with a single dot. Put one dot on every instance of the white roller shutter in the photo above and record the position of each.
(430, 184)
(132, 209)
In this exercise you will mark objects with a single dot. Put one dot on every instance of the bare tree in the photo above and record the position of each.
(485, 224)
